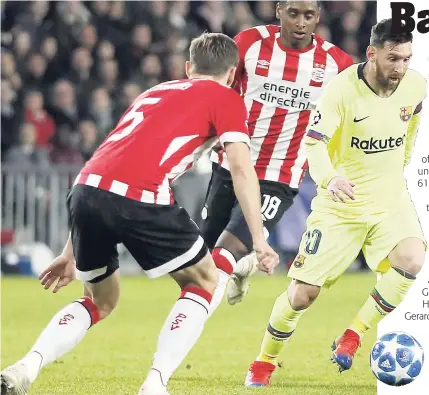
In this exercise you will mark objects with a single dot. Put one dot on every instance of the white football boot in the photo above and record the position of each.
(15, 380)
(153, 385)
(238, 284)
(148, 391)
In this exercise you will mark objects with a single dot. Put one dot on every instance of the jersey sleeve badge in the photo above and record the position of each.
(406, 113)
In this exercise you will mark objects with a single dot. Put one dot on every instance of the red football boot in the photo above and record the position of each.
(345, 349)
(259, 374)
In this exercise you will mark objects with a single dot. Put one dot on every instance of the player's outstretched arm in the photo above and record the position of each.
(327, 121)
(62, 270)
(246, 187)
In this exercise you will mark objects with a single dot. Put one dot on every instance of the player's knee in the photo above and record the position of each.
(105, 306)
(231, 243)
(302, 295)
(202, 275)
(408, 255)
(410, 263)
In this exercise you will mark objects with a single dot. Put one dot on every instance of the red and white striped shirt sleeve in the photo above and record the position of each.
(243, 40)
(342, 58)
(229, 118)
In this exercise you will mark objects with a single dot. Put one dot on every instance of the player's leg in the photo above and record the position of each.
(327, 248)
(398, 237)
(220, 200)
(164, 240)
(97, 263)
(233, 252)
(184, 324)
(276, 200)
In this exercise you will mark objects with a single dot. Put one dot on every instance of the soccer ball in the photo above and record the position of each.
(396, 358)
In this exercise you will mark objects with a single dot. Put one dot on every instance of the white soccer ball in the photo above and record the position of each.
(396, 359)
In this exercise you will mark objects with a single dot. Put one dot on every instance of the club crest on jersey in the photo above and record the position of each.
(406, 113)
(318, 74)
(263, 64)
(299, 261)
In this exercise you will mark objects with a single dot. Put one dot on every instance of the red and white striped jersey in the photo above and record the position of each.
(162, 134)
(280, 87)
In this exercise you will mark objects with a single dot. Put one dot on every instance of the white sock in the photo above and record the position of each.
(179, 334)
(244, 265)
(225, 263)
(66, 329)
(219, 291)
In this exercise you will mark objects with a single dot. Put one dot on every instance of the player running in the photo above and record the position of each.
(123, 195)
(281, 73)
(358, 144)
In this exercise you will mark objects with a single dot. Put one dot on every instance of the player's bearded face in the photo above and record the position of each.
(392, 63)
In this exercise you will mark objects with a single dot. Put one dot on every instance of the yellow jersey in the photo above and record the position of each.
(364, 137)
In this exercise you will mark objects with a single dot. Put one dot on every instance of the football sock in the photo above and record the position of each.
(179, 334)
(283, 321)
(66, 329)
(388, 293)
(245, 264)
(225, 263)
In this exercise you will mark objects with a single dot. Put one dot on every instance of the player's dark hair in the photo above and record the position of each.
(213, 54)
(318, 2)
(381, 33)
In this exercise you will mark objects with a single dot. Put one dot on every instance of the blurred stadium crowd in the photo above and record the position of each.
(69, 69)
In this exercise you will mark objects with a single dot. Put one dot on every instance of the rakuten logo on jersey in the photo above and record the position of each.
(374, 146)
(286, 96)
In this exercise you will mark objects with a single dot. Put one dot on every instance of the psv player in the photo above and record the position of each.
(281, 74)
(122, 195)
(358, 144)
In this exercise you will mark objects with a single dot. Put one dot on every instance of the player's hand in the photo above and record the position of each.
(267, 258)
(62, 271)
(341, 189)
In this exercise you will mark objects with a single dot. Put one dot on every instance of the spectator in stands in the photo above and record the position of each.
(26, 153)
(89, 138)
(65, 110)
(36, 115)
(10, 116)
(49, 49)
(130, 54)
(36, 73)
(150, 72)
(175, 69)
(129, 92)
(109, 76)
(80, 74)
(21, 48)
(63, 151)
(101, 111)
(9, 72)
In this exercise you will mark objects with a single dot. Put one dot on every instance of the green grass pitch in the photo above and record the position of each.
(115, 355)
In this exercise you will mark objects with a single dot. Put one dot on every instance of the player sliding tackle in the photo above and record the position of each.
(362, 200)
(122, 195)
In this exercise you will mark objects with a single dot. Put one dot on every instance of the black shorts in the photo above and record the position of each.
(222, 211)
(162, 239)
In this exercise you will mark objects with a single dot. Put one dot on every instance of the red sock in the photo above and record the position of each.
(224, 260)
